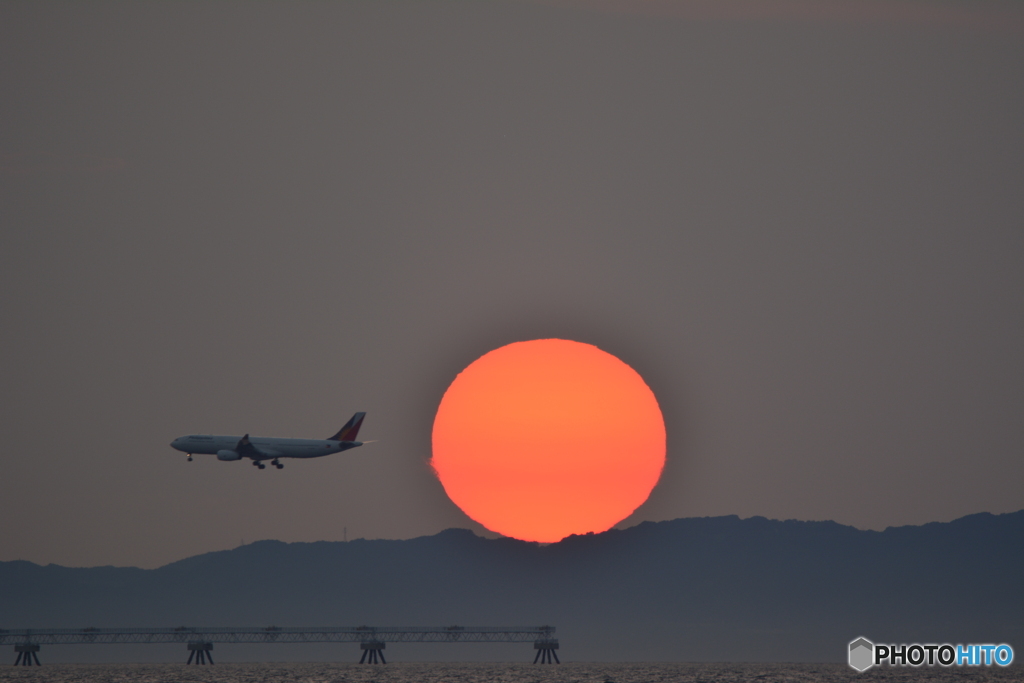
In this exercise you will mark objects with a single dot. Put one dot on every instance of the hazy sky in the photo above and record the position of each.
(802, 223)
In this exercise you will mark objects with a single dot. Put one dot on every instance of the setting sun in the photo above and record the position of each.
(541, 439)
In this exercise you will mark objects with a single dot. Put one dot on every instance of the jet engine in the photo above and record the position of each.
(228, 455)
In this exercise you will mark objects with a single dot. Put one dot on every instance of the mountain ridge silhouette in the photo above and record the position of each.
(709, 588)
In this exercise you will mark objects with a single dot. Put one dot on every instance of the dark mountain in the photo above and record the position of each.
(716, 588)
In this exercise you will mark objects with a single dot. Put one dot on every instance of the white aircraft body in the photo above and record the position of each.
(260, 448)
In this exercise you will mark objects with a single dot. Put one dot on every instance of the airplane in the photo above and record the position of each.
(260, 448)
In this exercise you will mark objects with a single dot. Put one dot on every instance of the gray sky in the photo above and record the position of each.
(804, 228)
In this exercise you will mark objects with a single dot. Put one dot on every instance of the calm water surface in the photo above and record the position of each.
(492, 673)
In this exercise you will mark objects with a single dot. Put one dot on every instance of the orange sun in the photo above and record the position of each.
(542, 439)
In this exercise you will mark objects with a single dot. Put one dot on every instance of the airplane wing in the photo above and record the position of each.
(246, 449)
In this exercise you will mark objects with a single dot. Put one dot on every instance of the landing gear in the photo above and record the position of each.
(273, 462)
(189, 458)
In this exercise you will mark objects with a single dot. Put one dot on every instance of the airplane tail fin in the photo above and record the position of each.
(351, 429)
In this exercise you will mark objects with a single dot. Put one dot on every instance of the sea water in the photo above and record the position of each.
(573, 672)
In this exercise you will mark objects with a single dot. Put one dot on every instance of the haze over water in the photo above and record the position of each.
(582, 672)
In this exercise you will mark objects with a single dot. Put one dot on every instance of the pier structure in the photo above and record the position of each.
(375, 650)
(199, 641)
(202, 651)
(27, 654)
(546, 651)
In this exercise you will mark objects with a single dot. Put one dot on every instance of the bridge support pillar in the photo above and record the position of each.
(202, 651)
(546, 651)
(372, 651)
(27, 654)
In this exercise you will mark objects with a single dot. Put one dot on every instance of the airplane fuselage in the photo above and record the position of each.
(260, 448)
(266, 447)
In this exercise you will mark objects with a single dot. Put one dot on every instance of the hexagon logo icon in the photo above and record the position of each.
(862, 654)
